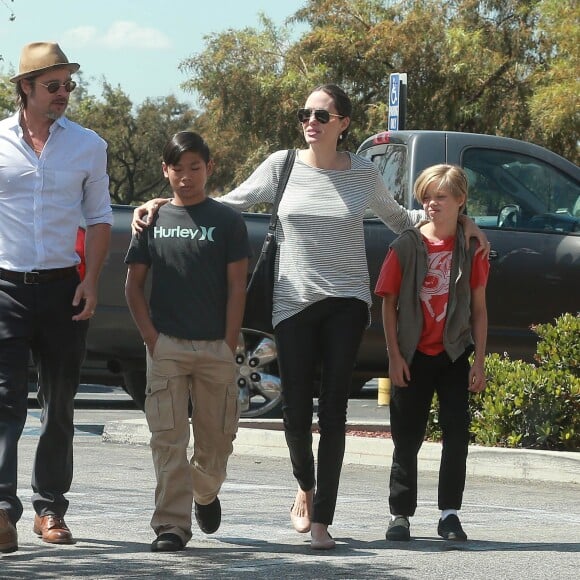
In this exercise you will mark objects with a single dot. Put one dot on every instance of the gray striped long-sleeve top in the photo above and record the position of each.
(321, 246)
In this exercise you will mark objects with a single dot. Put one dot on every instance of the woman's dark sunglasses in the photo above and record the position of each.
(321, 115)
(53, 86)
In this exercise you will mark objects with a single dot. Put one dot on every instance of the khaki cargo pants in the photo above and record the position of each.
(205, 371)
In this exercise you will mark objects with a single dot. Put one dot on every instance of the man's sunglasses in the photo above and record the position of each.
(321, 115)
(53, 86)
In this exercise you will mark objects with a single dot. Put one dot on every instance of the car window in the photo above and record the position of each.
(392, 164)
(513, 191)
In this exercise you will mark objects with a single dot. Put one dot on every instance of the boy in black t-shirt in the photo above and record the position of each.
(198, 252)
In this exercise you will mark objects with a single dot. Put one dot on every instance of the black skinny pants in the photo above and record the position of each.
(37, 319)
(326, 337)
(409, 412)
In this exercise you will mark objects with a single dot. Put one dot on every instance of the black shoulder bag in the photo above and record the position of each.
(260, 290)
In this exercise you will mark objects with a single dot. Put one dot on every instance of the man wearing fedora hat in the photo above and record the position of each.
(52, 175)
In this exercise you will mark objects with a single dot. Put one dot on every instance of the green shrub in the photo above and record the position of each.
(527, 406)
(559, 344)
(530, 406)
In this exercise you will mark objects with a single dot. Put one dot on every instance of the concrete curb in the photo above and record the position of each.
(264, 438)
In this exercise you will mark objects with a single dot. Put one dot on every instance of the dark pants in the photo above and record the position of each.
(37, 319)
(409, 412)
(326, 337)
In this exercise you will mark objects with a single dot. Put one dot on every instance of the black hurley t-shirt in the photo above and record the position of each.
(188, 250)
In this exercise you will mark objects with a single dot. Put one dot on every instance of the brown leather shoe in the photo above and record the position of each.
(8, 535)
(52, 529)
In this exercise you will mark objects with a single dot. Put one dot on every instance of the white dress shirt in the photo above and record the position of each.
(43, 200)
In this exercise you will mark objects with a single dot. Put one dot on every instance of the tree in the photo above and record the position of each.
(135, 138)
(473, 65)
(7, 93)
(554, 103)
(248, 110)
(464, 58)
(12, 16)
(7, 97)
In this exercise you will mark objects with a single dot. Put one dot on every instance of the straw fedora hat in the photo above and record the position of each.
(38, 57)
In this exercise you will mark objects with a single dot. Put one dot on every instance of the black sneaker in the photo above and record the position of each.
(398, 530)
(167, 543)
(450, 529)
(209, 517)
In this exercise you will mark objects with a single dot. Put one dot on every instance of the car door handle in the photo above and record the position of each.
(493, 255)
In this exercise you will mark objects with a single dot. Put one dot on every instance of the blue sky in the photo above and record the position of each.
(137, 44)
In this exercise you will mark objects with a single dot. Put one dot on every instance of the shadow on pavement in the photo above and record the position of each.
(419, 544)
(227, 558)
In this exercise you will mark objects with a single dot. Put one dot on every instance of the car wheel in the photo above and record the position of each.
(259, 384)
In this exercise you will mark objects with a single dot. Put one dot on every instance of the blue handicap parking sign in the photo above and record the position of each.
(394, 90)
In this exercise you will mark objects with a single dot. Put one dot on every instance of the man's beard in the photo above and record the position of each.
(54, 116)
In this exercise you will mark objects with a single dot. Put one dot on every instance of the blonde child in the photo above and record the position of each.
(434, 316)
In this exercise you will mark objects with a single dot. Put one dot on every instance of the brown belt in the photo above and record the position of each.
(38, 276)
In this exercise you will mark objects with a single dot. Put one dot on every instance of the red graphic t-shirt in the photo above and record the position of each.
(435, 290)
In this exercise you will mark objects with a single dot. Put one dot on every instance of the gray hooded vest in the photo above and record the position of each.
(412, 254)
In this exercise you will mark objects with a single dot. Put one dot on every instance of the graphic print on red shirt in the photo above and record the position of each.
(436, 284)
(434, 295)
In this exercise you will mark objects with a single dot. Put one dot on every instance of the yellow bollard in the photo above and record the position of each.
(384, 392)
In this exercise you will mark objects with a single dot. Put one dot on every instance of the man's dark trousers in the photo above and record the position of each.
(37, 319)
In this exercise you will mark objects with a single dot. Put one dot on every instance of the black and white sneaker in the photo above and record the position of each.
(209, 517)
(450, 529)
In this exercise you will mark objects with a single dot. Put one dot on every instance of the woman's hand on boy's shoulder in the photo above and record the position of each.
(472, 230)
(144, 214)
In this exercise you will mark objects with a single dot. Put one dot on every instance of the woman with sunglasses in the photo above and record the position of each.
(322, 294)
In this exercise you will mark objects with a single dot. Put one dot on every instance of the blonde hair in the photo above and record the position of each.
(449, 177)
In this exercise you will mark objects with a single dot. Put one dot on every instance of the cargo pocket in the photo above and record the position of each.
(159, 406)
(232, 411)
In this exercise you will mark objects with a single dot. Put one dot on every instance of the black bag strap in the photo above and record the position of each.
(271, 234)
(284, 176)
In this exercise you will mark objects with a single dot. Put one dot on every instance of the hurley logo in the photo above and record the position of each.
(202, 233)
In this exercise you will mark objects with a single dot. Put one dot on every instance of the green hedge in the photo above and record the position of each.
(526, 405)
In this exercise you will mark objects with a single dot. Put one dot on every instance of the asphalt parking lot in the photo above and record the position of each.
(518, 529)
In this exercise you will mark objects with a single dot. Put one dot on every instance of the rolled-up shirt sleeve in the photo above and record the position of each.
(96, 205)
